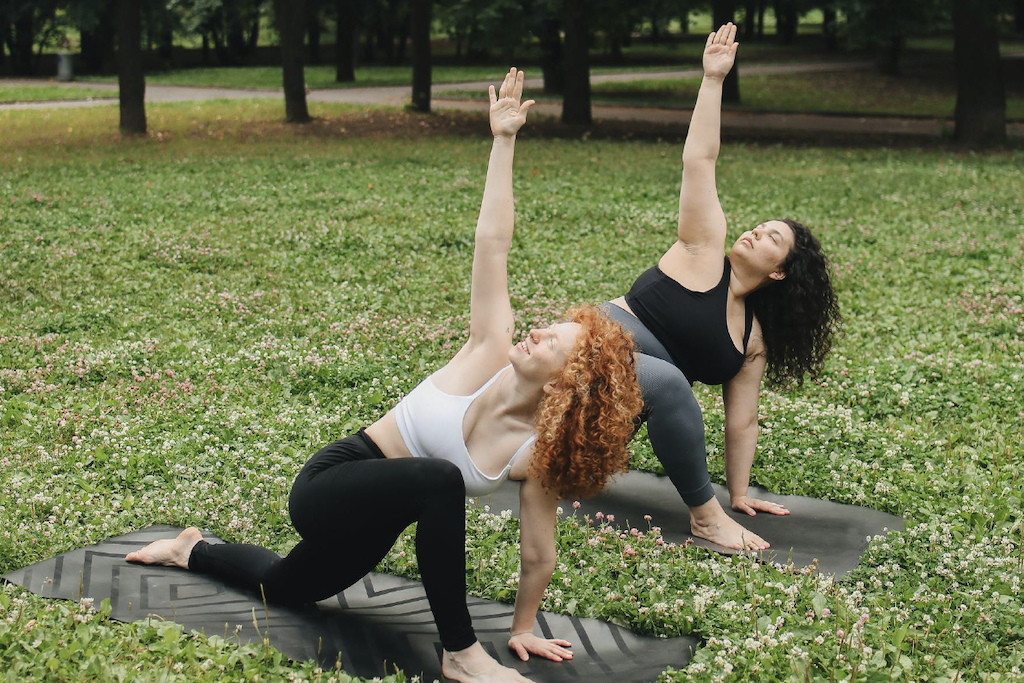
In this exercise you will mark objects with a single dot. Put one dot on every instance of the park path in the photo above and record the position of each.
(400, 95)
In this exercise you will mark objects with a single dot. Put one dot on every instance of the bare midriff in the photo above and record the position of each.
(384, 432)
(621, 303)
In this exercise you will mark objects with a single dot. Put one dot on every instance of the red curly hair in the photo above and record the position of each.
(584, 424)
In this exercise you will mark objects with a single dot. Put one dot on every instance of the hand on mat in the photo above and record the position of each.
(720, 51)
(752, 506)
(525, 643)
(508, 113)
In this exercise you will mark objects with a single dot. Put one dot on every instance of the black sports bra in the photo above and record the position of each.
(690, 325)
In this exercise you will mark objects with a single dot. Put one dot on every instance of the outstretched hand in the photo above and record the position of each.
(720, 51)
(752, 506)
(525, 644)
(508, 113)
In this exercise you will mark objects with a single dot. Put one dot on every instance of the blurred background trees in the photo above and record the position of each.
(560, 38)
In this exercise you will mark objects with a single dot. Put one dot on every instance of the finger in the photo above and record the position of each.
(710, 41)
(526, 106)
(563, 643)
(517, 91)
(732, 35)
(723, 30)
(521, 651)
(491, 95)
(503, 90)
(735, 47)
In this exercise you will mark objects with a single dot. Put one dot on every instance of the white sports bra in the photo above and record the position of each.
(430, 422)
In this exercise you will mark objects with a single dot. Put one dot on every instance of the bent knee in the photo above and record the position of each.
(440, 475)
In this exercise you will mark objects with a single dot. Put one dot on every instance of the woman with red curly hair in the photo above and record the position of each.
(554, 410)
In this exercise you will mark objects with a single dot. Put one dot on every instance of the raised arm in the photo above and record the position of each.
(490, 318)
(537, 563)
(701, 219)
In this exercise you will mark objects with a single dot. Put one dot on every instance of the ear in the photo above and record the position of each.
(777, 275)
(550, 387)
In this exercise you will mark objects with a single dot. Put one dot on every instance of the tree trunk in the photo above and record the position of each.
(722, 13)
(576, 104)
(205, 51)
(130, 80)
(980, 94)
(749, 12)
(166, 44)
(786, 18)
(684, 19)
(829, 28)
(1018, 15)
(344, 42)
(655, 29)
(290, 17)
(403, 38)
(313, 30)
(889, 59)
(20, 40)
(761, 5)
(552, 58)
(421, 10)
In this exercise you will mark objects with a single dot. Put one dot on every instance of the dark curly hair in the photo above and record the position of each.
(799, 315)
(583, 426)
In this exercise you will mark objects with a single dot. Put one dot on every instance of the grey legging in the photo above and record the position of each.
(674, 421)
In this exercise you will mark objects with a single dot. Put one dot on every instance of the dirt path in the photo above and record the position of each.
(400, 95)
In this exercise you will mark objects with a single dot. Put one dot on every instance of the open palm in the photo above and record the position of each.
(720, 51)
(508, 112)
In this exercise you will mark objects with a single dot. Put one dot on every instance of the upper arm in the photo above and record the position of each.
(740, 394)
(537, 512)
(490, 312)
(701, 219)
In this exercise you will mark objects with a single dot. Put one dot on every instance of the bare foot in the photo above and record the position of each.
(170, 552)
(709, 521)
(474, 665)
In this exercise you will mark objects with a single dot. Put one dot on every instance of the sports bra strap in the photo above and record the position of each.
(749, 315)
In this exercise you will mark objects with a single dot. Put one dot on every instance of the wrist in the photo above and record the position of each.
(714, 79)
(504, 139)
(513, 633)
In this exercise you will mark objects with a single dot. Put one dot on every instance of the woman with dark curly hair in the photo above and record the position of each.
(554, 410)
(700, 315)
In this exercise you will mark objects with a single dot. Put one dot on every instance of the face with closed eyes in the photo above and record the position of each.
(542, 354)
(764, 249)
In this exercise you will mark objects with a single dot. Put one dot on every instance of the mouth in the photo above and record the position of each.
(522, 345)
(748, 240)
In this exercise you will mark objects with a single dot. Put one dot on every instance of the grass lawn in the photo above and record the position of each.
(42, 92)
(921, 92)
(185, 318)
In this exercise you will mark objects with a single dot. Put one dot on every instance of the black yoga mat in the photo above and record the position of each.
(377, 624)
(833, 533)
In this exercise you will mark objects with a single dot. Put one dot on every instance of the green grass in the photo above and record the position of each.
(918, 93)
(39, 92)
(184, 318)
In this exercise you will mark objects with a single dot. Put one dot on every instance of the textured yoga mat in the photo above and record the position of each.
(377, 624)
(833, 533)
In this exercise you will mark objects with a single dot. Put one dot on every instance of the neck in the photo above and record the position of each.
(517, 397)
(742, 282)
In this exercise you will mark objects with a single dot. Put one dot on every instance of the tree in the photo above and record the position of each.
(130, 79)
(980, 94)
(576, 103)
(344, 40)
(290, 17)
(421, 10)
(885, 25)
(23, 25)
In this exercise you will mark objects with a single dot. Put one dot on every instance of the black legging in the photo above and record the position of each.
(674, 421)
(349, 504)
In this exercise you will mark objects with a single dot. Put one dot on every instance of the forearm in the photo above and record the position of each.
(497, 214)
(533, 581)
(740, 445)
(704, 136)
